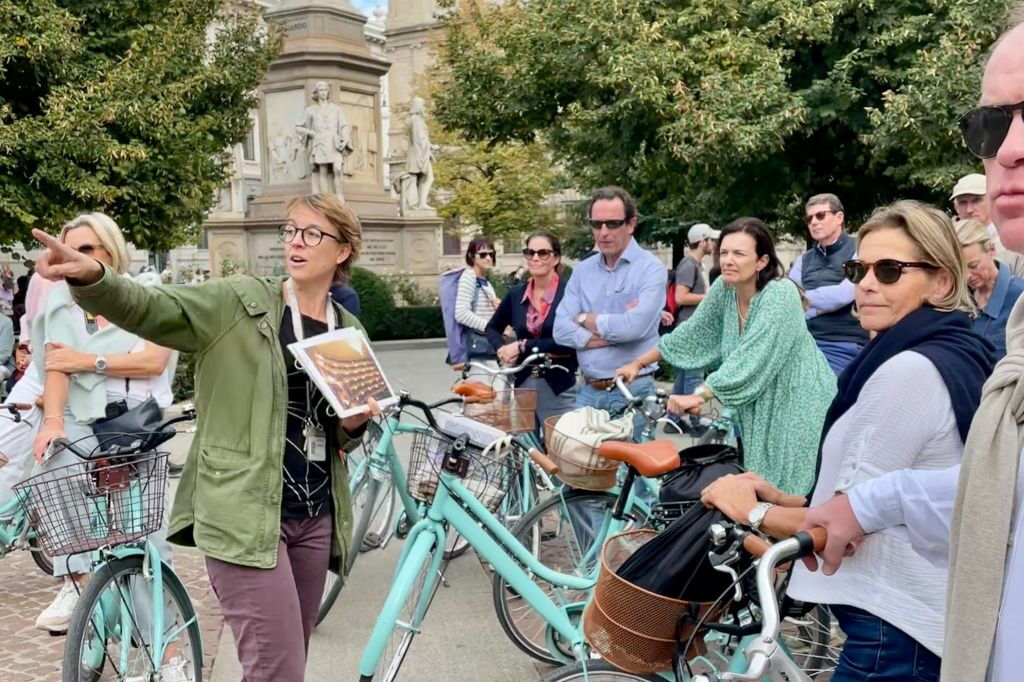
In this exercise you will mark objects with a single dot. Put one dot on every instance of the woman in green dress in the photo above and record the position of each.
(749, 333)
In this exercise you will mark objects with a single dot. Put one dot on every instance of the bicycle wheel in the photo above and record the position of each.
(596, 671)
(42, 558)
(811, 642)
(560, 533)
(111, 627)
(415, 605)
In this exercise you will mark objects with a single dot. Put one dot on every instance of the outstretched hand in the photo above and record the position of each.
(60, 262)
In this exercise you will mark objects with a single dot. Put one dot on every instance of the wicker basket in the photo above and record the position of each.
(633, 629)
(512, 410)
(592, 472)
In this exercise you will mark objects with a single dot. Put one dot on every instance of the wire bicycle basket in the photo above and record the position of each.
(487, 473)
(92, 504)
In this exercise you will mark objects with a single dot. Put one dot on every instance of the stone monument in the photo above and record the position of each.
(327, 81)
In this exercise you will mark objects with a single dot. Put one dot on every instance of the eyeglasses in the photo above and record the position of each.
(89, 249)
(985, 128)
(819, 216)
(543, 254)
(311, 236)
(887, 270)
(610, 224)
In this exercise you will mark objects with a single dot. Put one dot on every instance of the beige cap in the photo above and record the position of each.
(973, 184)
(700, 232)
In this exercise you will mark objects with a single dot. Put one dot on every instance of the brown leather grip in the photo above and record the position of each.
(22, 407)
(756, 546)
(543, 461)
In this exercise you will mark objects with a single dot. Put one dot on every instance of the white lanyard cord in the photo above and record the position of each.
(293, 303)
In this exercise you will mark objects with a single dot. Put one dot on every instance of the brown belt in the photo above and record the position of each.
(603, 384)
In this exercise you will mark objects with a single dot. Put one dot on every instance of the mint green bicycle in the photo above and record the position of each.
(134, 616)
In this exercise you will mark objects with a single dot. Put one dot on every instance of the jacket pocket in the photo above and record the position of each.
(227, 502)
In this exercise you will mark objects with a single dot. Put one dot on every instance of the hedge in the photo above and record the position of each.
(411, 322)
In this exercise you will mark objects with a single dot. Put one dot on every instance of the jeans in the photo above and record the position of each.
(839, 354)
(876, 651)
(686, 384)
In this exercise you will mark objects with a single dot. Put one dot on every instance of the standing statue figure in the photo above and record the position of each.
(421, 156)
(324, 132)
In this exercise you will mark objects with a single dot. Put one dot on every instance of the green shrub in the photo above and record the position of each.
(184, 378)
(412, 322)
(406, 291)
(376, 304)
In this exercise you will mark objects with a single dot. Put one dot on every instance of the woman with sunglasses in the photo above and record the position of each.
(906, 402)
(749, 333)
(476, 301)
(529, 309)
(264, 494)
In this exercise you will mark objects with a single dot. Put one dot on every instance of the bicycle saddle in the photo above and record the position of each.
(649, 459)
(474, 391)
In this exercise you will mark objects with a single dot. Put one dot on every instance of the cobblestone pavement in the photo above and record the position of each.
(31, 655)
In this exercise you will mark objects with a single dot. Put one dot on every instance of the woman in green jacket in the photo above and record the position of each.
(749, 332)
(264, 493)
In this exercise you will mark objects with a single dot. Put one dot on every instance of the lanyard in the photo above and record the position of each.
(293, 303)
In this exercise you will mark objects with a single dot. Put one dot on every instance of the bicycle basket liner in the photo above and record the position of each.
(572, 444)
(512, 410)
(633, 629)
(87, 505)
(487, 477)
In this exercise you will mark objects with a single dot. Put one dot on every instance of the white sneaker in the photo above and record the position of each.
(57, 615)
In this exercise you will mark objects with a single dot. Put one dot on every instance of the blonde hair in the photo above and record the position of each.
(108, 233)
(971, 232)
(933, 234)
(343, 219)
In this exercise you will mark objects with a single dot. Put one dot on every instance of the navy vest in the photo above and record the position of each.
(822, 268)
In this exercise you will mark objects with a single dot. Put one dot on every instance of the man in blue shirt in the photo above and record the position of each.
(993, 286)
(819, 274)
(612, 304)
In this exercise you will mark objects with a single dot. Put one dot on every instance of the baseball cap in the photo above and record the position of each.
(700, 232)
(970, 184)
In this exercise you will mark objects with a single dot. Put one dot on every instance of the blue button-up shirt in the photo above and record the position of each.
(991, 320)
(627, 299)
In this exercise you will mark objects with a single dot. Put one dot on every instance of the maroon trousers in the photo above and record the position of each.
(271, 612)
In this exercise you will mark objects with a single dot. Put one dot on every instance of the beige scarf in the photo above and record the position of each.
(981, 516)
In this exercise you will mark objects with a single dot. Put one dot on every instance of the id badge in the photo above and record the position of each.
(316, 446)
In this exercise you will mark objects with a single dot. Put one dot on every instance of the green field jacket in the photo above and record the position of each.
(229, 501)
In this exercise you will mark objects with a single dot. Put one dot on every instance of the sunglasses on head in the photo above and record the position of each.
(485, 254)
(610, 224)
(887, 270)
(985, 128)
(543, 254)
(819, 216)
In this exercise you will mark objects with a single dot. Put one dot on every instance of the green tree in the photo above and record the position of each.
(713, 109)
(124, 107)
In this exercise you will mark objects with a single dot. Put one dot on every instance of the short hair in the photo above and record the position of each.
(832, 200)
(933, 234)
(107, 232)
(478, 243)
(764, 246)
(1014, 19)
(971, 232)
(341, 218)
(609, 193)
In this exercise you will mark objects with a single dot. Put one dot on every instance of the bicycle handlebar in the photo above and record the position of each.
(535, 358)
(119, 450)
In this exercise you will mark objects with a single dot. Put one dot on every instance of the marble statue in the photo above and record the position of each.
(324, 133)
(420, 164)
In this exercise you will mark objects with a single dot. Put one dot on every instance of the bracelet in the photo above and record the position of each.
(53, 417)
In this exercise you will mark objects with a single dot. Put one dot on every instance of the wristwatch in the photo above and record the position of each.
(101, 364)
(580, 319)
(757, 514)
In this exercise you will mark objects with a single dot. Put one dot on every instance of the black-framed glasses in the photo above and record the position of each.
(819, 216)
(485, 254)
(887, 270)
(543, 254)
(985, 128)
(89, 249)
(311, 236)
(610, 224)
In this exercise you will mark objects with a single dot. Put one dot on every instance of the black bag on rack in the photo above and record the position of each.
(700, 466)
(123, 426)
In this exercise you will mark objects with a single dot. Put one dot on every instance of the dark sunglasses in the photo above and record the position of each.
(610, 224)
(819, 216)
(485, 254)
(986, 127)
(543, 254)
(887, 270)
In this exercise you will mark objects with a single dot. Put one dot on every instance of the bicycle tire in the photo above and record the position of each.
(809, 641)
(596, 671)
(82, 628)
(526, 630)
(40, 556)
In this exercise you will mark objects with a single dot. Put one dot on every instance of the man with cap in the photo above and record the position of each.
(819, 274)
(971, 201)
(691, 286)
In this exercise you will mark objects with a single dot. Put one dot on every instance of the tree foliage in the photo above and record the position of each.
(713, 109)
(125, 107)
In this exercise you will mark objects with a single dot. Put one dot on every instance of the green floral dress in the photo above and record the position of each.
(772, 373)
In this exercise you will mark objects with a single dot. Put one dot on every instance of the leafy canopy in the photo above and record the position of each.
(124, 107)
(713, 109)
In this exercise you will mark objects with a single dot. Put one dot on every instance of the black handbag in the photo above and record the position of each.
(123, 427)
(477, 345)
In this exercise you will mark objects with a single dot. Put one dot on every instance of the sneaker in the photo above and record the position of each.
(57, 615)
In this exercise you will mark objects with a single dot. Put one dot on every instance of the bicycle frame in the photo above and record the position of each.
(15, 529)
